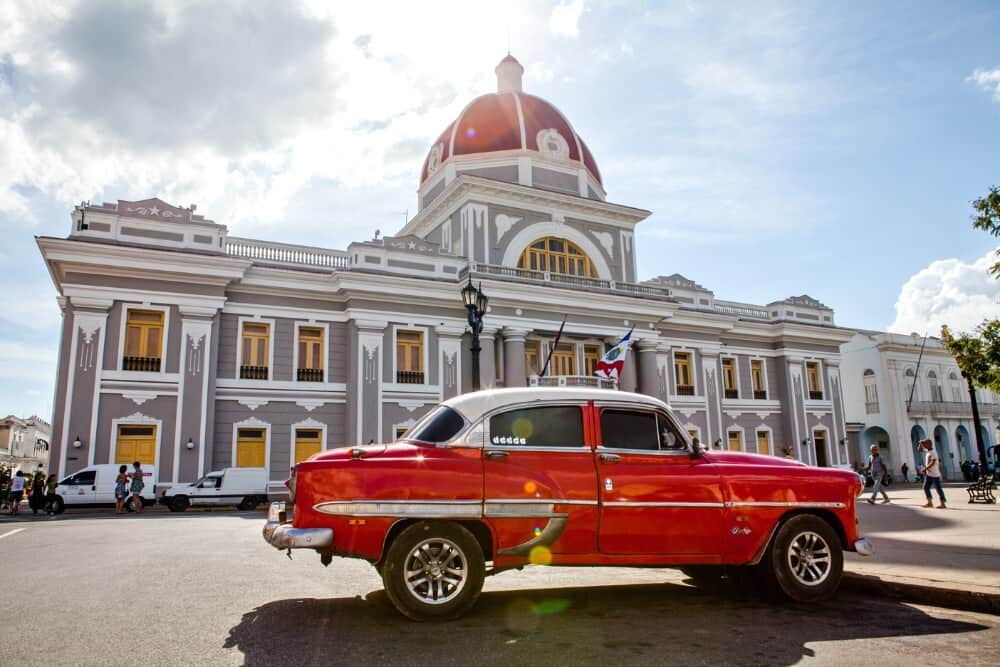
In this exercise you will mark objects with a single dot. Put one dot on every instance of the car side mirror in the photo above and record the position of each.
(696, 452)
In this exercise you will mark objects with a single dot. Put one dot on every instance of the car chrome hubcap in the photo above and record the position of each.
(436, 571)
(809, 559)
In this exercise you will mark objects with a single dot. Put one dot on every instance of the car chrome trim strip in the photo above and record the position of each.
(471, 509)
(553, 529)
(641, 503)
(524, 501)
(762, 503)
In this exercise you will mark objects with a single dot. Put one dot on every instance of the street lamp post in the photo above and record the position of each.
(475, 301)
(977, 425)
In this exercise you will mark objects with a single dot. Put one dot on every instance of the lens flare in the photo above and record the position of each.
(549, 607)
(471, 133)
(522, 428)
(538, 531)
(530, 487)
(540, 556)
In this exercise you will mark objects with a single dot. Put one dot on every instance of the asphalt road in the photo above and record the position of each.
(192, 589)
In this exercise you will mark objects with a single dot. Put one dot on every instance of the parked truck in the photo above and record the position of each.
(245, 488)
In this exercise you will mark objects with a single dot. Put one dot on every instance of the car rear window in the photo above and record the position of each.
(439, 425)
(550, 426)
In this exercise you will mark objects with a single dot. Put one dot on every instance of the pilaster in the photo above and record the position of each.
(450, 360)
(515, 373)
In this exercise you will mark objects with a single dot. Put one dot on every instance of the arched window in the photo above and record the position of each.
(557, 256)
(871, 392)
(936, 393)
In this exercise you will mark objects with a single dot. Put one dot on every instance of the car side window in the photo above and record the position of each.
(549, 426)
(86, 477)
(629, 429)
(670, 437)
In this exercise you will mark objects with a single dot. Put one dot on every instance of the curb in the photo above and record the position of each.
(987, 603)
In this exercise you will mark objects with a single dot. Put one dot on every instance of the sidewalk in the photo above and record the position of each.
(948, 557)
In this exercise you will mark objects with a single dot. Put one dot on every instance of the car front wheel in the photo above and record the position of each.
(806, 560)
(434, 570)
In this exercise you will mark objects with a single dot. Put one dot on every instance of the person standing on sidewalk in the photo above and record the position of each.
(906, 472)
(16, 492)
(932, 473)
(876, 468)
(136, 487)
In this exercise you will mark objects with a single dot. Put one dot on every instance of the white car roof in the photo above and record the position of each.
(474, 405)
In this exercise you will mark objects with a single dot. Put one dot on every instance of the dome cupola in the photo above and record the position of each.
(494, 132)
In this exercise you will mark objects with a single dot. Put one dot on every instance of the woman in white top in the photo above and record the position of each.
(932, 473)
(16, 492)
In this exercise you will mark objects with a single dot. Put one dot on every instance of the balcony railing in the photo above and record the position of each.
(571, 381)
(410, 377)
(145, 364)
(309, 375)
(815, 396)
(593, 284)
(871, 408)
(253, 372)
(731, 393)
(685, 390)
(740, 310)
(267, 252)
(962, 408)
(759, 395)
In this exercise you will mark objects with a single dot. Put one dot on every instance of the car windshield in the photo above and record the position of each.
(439, 425)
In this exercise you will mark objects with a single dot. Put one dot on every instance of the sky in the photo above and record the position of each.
(829, 149)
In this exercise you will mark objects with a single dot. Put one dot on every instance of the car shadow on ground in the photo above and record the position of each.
(635, 624)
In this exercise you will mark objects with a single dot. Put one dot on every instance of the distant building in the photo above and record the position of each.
(194, 350)
(24, 443)
(902, 396)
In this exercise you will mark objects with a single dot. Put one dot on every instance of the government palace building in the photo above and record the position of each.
(193, 350)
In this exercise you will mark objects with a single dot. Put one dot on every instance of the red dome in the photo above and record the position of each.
(509, 121)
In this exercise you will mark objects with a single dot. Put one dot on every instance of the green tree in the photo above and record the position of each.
(978, 355)
(987, 218)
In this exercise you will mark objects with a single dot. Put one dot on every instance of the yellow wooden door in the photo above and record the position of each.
(734, 441)
(136, 443)
(251, 448)
(763, 443)
(307, 443)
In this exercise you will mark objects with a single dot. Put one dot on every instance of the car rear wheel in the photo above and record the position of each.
(56, 505)
(805, 560)
(179, 503)
(434, 570)
(248, 503)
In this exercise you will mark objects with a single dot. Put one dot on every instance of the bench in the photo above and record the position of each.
(982, 490)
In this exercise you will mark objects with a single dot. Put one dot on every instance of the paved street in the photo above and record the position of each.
(166, 589)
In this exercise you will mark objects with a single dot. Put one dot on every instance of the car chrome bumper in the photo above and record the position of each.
(279, 533)
(864, 547)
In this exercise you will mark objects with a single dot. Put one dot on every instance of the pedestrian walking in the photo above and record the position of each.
(932, 473)
(137, 486)
(876, 468)
(36, 501)
(50, 494)
(121, 489)
(906, 472)
(16, 491)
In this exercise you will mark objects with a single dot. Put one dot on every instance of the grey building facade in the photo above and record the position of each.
(195, 350)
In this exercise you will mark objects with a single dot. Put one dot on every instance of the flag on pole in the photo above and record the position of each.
(555, 342)
(610, 367)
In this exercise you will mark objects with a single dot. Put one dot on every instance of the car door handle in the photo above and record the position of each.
(610, 458)
(496, 454)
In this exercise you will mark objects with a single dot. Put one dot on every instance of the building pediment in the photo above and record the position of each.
(411, 243)
(153, 209)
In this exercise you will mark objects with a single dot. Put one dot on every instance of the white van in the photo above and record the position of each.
(245, 488)
(94, 486)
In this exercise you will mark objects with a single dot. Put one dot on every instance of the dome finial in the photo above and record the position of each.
(509, 73)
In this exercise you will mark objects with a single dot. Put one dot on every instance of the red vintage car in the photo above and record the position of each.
(494, 480)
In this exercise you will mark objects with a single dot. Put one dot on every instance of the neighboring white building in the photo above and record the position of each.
(902, 397)
(24, 443)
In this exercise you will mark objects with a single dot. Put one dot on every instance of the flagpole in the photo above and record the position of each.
(555, 342)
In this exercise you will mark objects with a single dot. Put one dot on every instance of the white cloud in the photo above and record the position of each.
(987, 79)
(951, 292)
(565, 19)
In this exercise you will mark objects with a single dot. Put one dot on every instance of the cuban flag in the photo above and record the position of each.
(610, 367)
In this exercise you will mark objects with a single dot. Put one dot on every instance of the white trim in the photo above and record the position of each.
(139, 419)
(253, 422)
(68, 397)
(99, 340)
(691, 371)
(271, 335)
(326, 349)
(826, 439)
(164, 340)
(393, 385)
(763, 373)
(311, 424)
(539, 230)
